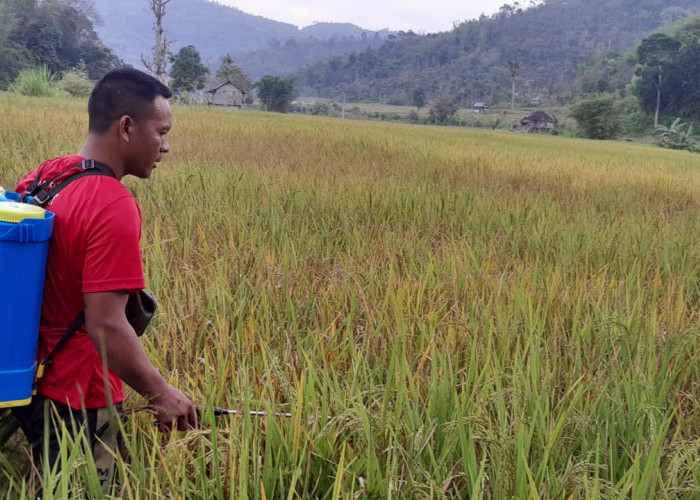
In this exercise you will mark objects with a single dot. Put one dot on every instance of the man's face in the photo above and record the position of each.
(149, 140)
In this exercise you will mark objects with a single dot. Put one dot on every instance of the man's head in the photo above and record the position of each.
(123, 91)
(129, 111)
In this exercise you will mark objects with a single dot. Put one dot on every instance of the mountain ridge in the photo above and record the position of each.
(546, 44)
(214, 29)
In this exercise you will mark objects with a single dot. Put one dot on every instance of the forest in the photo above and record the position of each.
(57, 34)
(547, 48)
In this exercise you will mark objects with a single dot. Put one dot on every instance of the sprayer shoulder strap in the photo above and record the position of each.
(43, 192)
(77, 323)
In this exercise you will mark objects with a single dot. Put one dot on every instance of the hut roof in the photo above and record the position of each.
(217, 85)
(539, 116)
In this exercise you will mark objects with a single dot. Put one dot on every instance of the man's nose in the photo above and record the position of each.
(164, 146)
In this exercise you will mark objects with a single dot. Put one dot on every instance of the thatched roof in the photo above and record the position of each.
(216, 85)
(539, 116)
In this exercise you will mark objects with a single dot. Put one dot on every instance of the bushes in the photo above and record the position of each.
(36, 82)
(597, 117)
(77, 82)
(41, 82)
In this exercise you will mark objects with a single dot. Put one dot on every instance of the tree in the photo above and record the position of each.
(597, 117)
(514, 69)
(443, 110)
(419, 98)
(276, 93)
(187, 71)
(57, 34)
(157, 64)
(655, 54)
(684, 78)
(13, 56)
(232, 73)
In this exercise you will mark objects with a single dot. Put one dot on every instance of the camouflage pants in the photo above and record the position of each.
(99, 424)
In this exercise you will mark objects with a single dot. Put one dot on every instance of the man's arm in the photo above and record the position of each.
(112, 335)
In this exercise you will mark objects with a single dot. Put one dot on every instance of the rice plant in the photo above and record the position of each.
(445, 313)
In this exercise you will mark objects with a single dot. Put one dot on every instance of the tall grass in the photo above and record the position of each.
(37, 82)
(446, 313)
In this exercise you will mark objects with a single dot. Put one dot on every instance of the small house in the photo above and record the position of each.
(538, 123)
(225, 94)
(480, 107)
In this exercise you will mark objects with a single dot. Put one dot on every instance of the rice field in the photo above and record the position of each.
(446, 313)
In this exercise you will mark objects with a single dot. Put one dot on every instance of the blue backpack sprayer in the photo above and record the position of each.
(25, 231)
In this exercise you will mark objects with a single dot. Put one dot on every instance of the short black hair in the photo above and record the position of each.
(123, 91)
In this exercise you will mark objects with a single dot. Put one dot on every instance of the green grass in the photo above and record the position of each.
(481, 314)
(37, 82)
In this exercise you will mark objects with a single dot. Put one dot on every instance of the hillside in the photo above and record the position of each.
(547, 42)
(216, 30)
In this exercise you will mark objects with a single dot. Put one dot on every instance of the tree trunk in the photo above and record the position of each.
(157, 65)
(658, 100)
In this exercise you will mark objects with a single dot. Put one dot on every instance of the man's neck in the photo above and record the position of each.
(99, 149)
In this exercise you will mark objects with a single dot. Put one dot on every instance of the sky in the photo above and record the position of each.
(418, 15)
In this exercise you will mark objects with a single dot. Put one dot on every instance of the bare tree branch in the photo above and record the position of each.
(157, 63)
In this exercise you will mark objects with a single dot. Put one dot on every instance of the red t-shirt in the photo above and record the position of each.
(94, 248)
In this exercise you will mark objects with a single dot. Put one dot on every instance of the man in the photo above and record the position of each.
(94, 264)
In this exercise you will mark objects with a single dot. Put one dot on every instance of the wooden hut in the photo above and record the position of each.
(225, 94)
(538, 123)
(480, 107)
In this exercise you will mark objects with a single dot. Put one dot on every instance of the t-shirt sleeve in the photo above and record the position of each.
(112, 252)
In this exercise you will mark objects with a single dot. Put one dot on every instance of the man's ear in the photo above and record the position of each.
(126, 125)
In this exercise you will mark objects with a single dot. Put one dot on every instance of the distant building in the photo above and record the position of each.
(538, 123)
(480, 107)
(225, 94)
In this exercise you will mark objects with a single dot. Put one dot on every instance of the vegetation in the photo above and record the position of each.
(548, 41)
(655, 53)
(443, 110)
(289, 56)
(157, 63)
(597, 117)
(37, 82)
(668, 76)
(187, 71)
(481, 314)
(276, 93)
(57, 34)
(678, 135)
(76, 81)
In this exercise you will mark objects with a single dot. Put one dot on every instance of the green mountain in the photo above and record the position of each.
(541, 48)
(216, 30)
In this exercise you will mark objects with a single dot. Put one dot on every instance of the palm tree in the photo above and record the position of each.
(514, 68)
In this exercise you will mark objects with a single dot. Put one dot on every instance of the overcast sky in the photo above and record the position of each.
(417, 15)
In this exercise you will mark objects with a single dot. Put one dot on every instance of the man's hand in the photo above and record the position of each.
(115, 339)
(173, 410)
